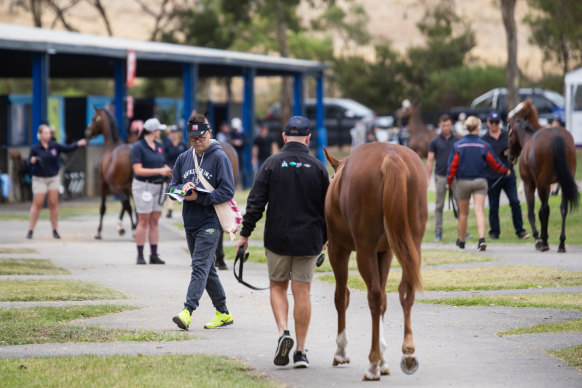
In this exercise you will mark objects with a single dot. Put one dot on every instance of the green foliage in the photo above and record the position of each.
(554, 327)
(572, 355)
(556, 29)
(460, 85)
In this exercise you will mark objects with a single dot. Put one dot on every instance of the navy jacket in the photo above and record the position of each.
(217, 170)
(469, 159)
(48, 159)
(172, 152)
(293, 184)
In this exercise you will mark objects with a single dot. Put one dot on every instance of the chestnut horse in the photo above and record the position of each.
(376, 205)
(546, 156)
(115, 172)
(420, 135)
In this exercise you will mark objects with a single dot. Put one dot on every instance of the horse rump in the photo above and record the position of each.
(564, 174)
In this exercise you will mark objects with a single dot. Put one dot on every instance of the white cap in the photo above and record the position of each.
(236, 123)
(153, 124)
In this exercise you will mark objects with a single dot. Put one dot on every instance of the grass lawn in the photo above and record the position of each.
(131, 371)
(67, 210)
(564, 301)
(30, 267)
(36, 325)
(430, 257)
(572, 356)
(573, 226)
(17, 250)
(256, 254)
(42, 290)
(554, 327)
(484, 278)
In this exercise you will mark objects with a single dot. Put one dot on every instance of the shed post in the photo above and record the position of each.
(190, 84)
(40, 85)
(321, 139)
(298, 95)
(248, 119)
(119, 76)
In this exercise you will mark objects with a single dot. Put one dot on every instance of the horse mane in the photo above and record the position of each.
(115, 134)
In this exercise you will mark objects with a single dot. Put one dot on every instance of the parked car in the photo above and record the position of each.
(340, 115)
(549, 104)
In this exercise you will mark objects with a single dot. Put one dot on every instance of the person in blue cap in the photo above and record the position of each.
(498, 140)
(293, 183)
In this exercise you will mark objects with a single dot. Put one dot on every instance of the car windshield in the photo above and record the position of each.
(556, 98)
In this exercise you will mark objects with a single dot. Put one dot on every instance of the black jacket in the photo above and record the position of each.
(294, 184)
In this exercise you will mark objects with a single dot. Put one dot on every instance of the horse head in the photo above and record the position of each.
(527, 111)
(95, 127)
(520, 132)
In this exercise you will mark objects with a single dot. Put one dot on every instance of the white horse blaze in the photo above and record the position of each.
(515, 110)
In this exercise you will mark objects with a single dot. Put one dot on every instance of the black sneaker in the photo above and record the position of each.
(56, 234)
(493, 236)
(29, 235)
(169, 214)
(300, 360)
(140, 259)
(460, 244)
(523, 235)
(155, 259)
(481, 245)
(284, 347)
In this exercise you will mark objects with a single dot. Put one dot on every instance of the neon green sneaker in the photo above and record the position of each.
(183, 319)
(219, 320)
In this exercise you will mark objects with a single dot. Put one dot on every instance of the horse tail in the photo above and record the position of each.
(397, 215)
(565, 177)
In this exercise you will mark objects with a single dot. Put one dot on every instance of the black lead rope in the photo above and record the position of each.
(242, 257)
(453, 202)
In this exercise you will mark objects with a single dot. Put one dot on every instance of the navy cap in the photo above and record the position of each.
(297, 126)
(197, 129)
(493, 115)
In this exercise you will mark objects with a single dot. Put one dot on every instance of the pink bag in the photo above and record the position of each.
(228, 212)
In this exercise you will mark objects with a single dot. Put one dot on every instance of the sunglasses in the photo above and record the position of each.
(197, 139)
(495, 122)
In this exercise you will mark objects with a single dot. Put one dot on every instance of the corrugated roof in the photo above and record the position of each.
(32, 39)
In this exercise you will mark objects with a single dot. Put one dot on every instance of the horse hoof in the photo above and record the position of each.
(121, 232)
(409, 364)
(340, 361)
(561, 250)
(539, 244)
(545, 248)
(371, 376)
(97, 237)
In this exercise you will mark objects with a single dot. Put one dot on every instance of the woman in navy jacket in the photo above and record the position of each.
(468, 162)
(45, 161)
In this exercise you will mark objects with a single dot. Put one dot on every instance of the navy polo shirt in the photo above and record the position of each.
(499, 146)
(149, 158)
(442, 149)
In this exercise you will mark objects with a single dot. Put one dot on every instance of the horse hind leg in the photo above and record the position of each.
(384, 261)
(409, 363)
(339, 260)
(120, 228)
(564, 213)
(544, 215)
(101, 214)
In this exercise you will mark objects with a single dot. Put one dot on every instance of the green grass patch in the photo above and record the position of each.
(30, 267)
(256, 254)
(554, 327)
(430, 257)
(572, 356)
(17, 250)
(484, 278)
(132, 371)
(46, 290)
(67, 210)
(564, 301)
(21, 326)
(573, 225)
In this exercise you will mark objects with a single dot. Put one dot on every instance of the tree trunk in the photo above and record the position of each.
(511, 70)
(36, 11)
(284, 52)
(97, 4)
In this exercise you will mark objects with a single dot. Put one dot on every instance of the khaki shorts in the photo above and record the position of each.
(298, 268)
(146, 196)
(465, 188)
(41, 185)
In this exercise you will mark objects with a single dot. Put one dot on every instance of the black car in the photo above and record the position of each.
(341, 115)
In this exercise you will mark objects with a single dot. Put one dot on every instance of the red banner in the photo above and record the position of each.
(131, 66)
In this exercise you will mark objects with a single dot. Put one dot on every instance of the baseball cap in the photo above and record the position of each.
(153, 124)
(197, 129)
(297, 126)
(493, 116)
(174, 128)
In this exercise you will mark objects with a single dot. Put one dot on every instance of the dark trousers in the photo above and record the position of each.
(507, 184)
(202, 244)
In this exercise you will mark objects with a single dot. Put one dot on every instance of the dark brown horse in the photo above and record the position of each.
(115, 172)
(420, 135)
(376, 205)
(546, 156)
